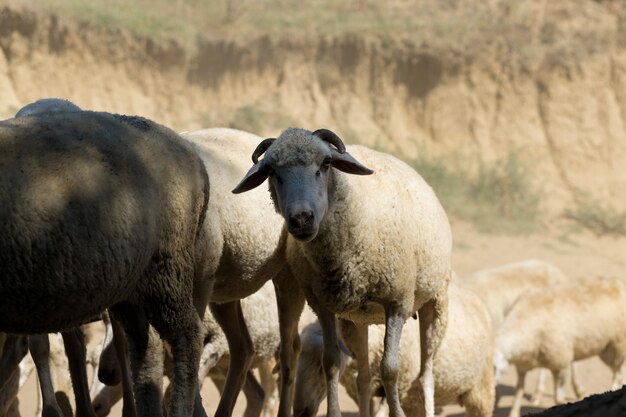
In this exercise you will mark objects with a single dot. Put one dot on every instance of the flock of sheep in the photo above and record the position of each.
(116, 218)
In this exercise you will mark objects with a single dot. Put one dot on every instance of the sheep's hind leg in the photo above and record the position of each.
(363, 367)
(230, 318)
(560, 376)
(390, 363)
(290, 301)
(433, 318)
(146, 358)
(76, 352)
(39, 347)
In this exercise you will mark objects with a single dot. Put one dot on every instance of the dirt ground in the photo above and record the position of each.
(578, 254)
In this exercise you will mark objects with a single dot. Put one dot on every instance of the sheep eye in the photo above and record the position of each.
(326, 162)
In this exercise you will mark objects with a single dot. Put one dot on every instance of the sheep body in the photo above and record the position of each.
(101, 210)
(462, 371)
(552, 328)
(371, 250)
(500, 286)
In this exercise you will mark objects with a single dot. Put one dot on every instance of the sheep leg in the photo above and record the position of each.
(519, 394)
(576, 384)
(39, 347)
(331, 357)
(270, 399)
(560, 375)
(390, 363)
(121, 350)
(255, 396)
(109, 367)
(535, 399)
(230, 318)
(433, 318)
(76, 352)
(180, 326)
(14, 349)
(146, 358)
(290, 301)
(363, 367)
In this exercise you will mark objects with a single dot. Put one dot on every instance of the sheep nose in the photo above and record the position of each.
(301, 219)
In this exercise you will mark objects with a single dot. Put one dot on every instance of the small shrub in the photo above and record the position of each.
(601, 219)
(499, 198)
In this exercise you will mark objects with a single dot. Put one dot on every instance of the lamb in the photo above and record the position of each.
(552, 328)
(371, 250)
(462, 371)
(500, 287)
(97, 211)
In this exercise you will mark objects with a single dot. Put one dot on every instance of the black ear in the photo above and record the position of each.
(347, 163)
(255, 177)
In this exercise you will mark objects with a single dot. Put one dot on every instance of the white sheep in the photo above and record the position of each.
(97, 211)
(500, 287)
(463, 369)
(244, 236)
(372, 250)
(551, 328)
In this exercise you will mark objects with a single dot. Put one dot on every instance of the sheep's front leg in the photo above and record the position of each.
(290, 301)
(519, 394)
(146, 358)
(13, 351)
(579, 390)
(390, 363)
(331, 357)
(230, 318)
(433, 318)
(76, 352)
(39, 347)
(536, 397)
(121, 349)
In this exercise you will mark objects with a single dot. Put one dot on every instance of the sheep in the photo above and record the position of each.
(370, 250)
(500, 287)
(551, 328)
(246, 246)
(97, 211)
(462, 371)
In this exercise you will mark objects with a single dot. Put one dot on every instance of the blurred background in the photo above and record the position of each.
(513, 111)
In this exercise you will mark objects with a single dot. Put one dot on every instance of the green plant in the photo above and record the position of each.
(498, 197)
(600, 218)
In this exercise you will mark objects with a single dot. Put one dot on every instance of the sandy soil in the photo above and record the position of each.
(579, 255)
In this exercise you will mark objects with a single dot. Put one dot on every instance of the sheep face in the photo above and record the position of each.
(298, 167)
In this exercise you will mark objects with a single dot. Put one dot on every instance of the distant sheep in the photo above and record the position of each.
(463, 370)
(500, 287)
(373, 249)
(97, 211)
(552, 328)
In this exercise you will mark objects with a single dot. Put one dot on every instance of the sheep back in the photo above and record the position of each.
(90, 204)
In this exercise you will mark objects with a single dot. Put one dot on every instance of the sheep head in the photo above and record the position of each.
(298, 164)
